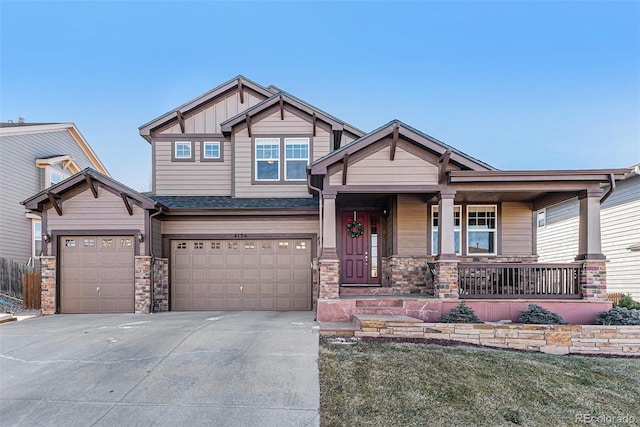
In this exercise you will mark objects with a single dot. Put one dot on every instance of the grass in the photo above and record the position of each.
(406, 384)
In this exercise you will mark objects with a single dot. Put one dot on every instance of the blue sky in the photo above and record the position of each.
(519, 85)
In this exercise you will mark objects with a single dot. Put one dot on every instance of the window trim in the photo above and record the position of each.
(458, 229)
(220, 157)
(494, 230)
(308, 142)
(36, 237)
(174, 147)
(256, 160)
(281, 170)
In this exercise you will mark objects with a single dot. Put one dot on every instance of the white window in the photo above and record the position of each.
(457, 221)
(183, 150)
(37, 237)
(211, 150)
(296, 158)
(267, 159)
(481, 230)
(55, 176)
(542, 218)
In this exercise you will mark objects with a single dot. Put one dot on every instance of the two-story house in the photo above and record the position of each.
(35, 156)
(261, 201)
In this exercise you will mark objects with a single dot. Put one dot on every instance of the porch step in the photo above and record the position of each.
(379, 303)
(380, 311)
(338, 329)
(377, 290)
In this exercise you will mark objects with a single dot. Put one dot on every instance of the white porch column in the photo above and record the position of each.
(329, 227)
(446, 235)
(589, 238)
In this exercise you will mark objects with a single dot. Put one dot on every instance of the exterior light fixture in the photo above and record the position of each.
(46, 238)
(140, 237)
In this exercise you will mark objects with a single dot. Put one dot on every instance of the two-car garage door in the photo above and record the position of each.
(267, 274)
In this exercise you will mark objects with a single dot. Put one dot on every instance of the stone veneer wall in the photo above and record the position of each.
(48, 284)
(409, 275)
(593, 280)
(553, 339)
(329, 279)
(142, 284)
(446, 279)
(160, 284)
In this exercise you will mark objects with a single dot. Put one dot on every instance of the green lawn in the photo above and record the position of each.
(404, 384)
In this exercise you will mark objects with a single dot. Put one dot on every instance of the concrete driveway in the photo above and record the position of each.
(173, 369)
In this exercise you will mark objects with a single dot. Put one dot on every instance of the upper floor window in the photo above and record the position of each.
(210, 150)
(267, 159)
(283, 159)
(541, 219)
(481, 230)
(55, 177)
(435, 222)
(296, 158)
(37, 238)
(182, 151)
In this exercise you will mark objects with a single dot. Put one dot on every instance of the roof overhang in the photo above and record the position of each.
(196, 103)
(595, 176)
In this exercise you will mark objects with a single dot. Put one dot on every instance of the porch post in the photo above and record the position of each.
(329, 261)
(446, 278)
(593, 275)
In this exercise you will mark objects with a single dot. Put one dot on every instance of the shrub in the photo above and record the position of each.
(618, 316)
(460, 314)
(627, 302)
(540, 316)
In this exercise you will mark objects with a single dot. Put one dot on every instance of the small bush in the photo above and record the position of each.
(618, 316)
(627, 302)
(460, 314)
(540, 316)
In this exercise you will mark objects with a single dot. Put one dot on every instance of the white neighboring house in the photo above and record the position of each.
(557, 234)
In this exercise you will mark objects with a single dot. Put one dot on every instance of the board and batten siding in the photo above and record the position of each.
(252, 227)
(208, 119)
(620, 228)
(411, 225)
(517, 228)
(191, 178)
(84, 212)
(20, 179)
(272, 125)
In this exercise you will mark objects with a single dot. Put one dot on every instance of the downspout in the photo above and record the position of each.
(612, 188)
(319, 207)
(153, 258)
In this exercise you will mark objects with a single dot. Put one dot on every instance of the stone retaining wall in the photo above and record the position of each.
(553, 339)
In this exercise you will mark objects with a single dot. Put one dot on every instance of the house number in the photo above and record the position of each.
(240, 235)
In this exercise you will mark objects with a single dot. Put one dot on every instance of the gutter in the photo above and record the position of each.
(320, 207)
(612, 188)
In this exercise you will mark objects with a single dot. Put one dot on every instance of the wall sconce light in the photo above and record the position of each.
(46, 238)
(140, 237)
(385, 213)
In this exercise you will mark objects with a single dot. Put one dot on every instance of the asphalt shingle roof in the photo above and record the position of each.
(222, 202)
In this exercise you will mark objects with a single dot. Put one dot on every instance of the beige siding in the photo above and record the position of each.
(517, 228)
(84, 212)
(191, 178)
(156, 232)
(272, 125)
(251, 226)
(377, 169)
(412, 226)
(346, 139)
(208, 120)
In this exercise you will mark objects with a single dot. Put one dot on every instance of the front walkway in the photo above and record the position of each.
(165, 369)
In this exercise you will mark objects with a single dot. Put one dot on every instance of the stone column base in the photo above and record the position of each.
(142, 284)
(160, 284)
(446, 283)
(48, 285)
(329, 279)
(593, 280)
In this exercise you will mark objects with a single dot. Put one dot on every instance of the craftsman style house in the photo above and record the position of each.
(35, 156)
(261, 201)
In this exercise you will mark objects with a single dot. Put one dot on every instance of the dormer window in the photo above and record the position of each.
(55, 177)
(182, 151)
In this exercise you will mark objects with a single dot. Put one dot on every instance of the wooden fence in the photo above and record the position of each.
(31, 293)
(11, 277)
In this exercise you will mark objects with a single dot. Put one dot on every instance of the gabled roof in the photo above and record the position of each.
(319, 167)
(66, 160)
(334, 122)
(145, 130)
(28, 128)
(86, 176)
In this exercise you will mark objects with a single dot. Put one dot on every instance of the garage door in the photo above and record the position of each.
(272, 274)
(97, 274)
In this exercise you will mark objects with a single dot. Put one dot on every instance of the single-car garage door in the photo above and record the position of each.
(270, 274)
(97, 274)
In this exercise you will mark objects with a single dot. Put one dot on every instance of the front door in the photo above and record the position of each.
(360, 247)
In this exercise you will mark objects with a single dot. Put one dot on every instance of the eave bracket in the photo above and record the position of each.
(56, 201)
(127, 203)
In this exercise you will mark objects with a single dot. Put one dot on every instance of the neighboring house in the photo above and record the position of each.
(261, 201)
(35, 156)
(620, 223)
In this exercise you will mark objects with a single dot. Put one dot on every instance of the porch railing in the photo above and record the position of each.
(518, 280)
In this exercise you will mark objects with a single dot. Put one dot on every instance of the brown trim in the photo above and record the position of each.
(384, 189)
(127, 203)
(260, 212)
(314, 118)
(345, 166)
(282, 171)
(551, 199)
(93, 188)
(281, 108)
(180, 120)
(56, 234)
(248, 120)
(240, 90)
(56, 202)
(188, 137)
(220, 158)
(594, 175)
(394, 142)
(177, 159)
(443, 164)
(337, 138)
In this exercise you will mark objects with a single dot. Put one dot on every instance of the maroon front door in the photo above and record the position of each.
(360, 252)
